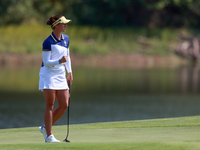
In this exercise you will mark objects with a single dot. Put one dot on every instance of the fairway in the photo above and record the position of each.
(156, 134)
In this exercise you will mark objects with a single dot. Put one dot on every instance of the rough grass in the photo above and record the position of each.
(86, 40)
(171, 133)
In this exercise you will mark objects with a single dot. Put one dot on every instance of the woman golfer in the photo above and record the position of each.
(53, 82)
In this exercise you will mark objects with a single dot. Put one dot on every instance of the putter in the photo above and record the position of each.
(66, 140)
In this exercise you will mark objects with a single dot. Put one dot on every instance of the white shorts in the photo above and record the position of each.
(53, 78)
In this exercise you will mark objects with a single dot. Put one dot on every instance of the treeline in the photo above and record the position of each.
(137, 13)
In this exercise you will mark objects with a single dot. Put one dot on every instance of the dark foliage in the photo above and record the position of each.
(145, 13)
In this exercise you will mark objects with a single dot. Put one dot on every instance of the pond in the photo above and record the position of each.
(102, 95)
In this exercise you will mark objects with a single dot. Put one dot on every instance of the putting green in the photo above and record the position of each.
(173, 133)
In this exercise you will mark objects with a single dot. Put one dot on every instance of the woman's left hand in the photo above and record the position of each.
(70, 78)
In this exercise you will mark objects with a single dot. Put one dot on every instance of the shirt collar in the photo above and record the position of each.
(55, 38)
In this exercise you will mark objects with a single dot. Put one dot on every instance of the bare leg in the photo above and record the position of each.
(63, 99)
(49, 96)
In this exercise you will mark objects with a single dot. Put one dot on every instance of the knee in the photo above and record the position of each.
(64, 106)
(50, 106)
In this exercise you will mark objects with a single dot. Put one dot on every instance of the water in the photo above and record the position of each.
(102, 95)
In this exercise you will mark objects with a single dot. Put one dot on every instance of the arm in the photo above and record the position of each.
(68, 63)
(47, 61)
(69, 68)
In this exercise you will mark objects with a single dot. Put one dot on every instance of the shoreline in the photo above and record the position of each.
(102, 61)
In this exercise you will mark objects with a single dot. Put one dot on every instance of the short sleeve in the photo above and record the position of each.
(68, 44)
(46, 46)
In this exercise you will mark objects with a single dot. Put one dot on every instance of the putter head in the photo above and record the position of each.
(65, 140)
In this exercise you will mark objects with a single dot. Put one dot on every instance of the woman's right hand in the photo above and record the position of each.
(64, 59)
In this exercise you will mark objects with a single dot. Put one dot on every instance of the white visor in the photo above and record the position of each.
(60, 20)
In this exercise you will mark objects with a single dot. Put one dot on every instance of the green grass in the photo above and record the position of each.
(157, 134)
(86, 40)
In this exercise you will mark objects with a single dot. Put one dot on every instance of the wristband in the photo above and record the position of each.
(60, 62)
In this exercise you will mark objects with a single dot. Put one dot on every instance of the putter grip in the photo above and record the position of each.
(68, 84)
